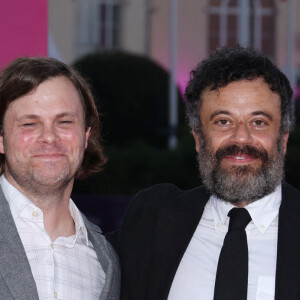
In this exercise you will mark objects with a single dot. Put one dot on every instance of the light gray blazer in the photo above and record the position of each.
(16, 279)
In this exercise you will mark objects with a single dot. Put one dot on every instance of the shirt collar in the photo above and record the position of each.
(78, 220)
(262, 211)
(20, 205)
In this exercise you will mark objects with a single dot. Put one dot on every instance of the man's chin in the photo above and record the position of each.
(51, 177)
(239, 172)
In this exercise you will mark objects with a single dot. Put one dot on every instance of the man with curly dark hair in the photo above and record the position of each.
(237, 236)
(49, 135)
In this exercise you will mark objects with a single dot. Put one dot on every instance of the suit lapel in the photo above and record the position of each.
(176, 229)
(108, 260)
(288, 251)
(14, 265)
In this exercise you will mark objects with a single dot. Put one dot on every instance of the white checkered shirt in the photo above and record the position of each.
(67, 268)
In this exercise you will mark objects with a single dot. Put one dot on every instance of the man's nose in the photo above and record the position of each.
(48, 134)
(242, 134)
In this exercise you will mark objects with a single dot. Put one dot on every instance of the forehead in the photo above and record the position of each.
(241, 97)
(52, 95)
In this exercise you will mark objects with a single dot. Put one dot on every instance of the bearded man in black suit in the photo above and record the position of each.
(173, 244)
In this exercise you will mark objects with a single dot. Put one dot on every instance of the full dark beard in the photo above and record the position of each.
(241, 184)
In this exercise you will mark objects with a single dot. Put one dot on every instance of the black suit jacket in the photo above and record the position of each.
(159, 225)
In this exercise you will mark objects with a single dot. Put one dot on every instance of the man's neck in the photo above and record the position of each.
(58, 221)
(242, 204)
(54, 202)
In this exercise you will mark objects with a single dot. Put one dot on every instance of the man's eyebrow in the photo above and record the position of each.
(28, 116)
(67, 114)
(33, 116)
(263, 113)
(219, 112)
(255, 113)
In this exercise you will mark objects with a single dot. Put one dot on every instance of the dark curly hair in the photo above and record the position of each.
(230, 64)
(25, 74)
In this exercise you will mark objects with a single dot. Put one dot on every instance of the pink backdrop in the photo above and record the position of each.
(23, 29)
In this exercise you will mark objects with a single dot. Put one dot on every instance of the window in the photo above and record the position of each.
(98, 25)
(247, 22)
(108, 24)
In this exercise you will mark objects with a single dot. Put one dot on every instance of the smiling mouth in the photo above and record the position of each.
(240, 158)
(48, 156)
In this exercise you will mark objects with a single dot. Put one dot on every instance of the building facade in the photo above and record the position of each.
(78, 27)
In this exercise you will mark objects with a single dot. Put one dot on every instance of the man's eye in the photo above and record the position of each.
(259, 123)
(29, 124)
(223, 122)
(66, 122)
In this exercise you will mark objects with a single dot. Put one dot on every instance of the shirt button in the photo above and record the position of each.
(55, 295)
(219, 225)
(35, 214)
(52, 246)
(262, 227)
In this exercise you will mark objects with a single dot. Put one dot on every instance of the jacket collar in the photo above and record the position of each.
(14, 265)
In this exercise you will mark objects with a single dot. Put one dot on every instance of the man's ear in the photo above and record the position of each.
(87, 135)
(197, 143)
(1, 145)
(285, 141)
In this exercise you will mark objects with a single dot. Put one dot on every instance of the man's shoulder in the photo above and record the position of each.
(290, 190)
(169, 191)
(168, 194)
(90, 225)
(290, 196)
(151, 208)
(95, 236)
